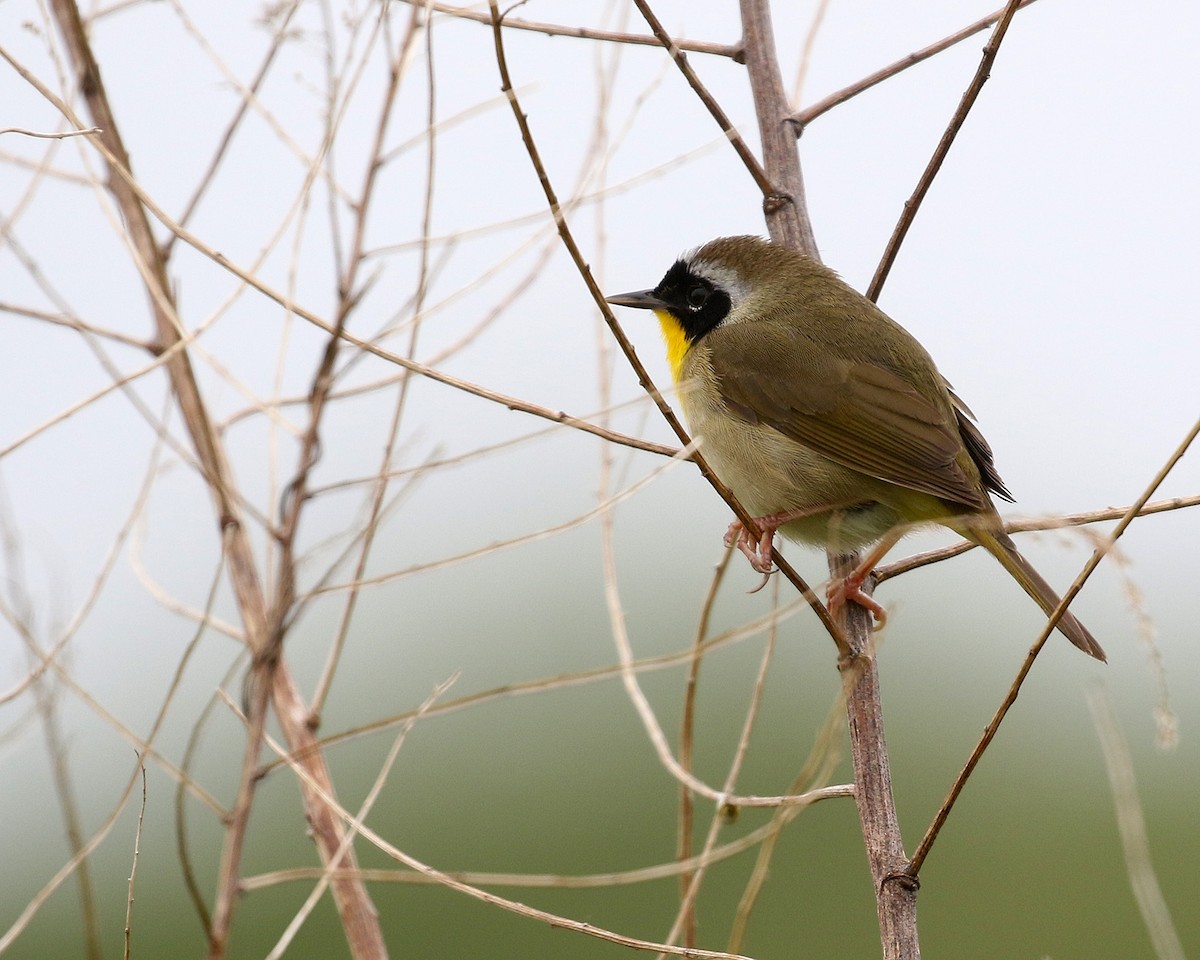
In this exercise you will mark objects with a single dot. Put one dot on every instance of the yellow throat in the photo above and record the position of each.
(676, 339)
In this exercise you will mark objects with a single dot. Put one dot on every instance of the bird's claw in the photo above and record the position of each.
(758, 552)
(762, 583)
(849, 589)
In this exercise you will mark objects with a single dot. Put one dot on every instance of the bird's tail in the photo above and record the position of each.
(1000, 545)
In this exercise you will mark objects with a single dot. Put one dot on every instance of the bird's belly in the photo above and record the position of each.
(771, 473)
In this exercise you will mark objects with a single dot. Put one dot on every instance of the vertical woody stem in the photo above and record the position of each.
(272, 682)
(787, 219)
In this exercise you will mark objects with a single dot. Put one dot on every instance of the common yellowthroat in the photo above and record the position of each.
(827, 419)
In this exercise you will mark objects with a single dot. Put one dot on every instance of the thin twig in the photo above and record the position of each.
(784, 205)
(52, 136)
(198, 726)
(532, 913)
(806, 53)
(803, 118)
(687, 732)
(756, 170)
(618, 332)
(913, 204)
(560, 881)
(1131, 825)
(74, 323)
(584, 33)
(789, 223)
(137, 845)
(993, 726)
(908, 564)
(354, 905)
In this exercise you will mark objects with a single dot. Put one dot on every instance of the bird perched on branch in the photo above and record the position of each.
(826, 418)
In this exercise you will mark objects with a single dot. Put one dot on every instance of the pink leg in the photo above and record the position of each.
(846, 589)
(849, 588)
(758, 552)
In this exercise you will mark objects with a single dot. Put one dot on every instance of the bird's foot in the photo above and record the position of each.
(849, 589)
(757, 551)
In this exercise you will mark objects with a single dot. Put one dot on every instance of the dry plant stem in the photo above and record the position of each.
(51, 136)
(366, 346)
(586, 881)
(788, 223)
(735, 139)
(819, 767)
(687, 731)
(810, 42)
(802, 118)
(444, 879)
(354, 905)
(939, 154)
(908, 564)
(583, 33)
(137, 844)
(989, 732)
(1131, 824)
(895, 892)
(235, 121)
(73, 323)
(784, 205)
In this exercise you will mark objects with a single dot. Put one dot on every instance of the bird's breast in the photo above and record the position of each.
(771, 473)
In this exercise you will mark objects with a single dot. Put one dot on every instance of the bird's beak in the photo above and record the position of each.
(640, 299)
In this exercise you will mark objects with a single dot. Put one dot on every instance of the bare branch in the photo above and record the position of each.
(908, 564)
(1131, 825)
(137, 845)
(789, 224)
(584, 33)
(804, 117)
(710, 102)
(358, 915)
(989, 732)
(913, 203)
(63, 135)
(784, 204)
(521, 909)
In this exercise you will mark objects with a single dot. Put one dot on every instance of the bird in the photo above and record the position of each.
(827, 419)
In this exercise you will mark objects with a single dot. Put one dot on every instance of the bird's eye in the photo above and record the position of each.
(697, 296)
